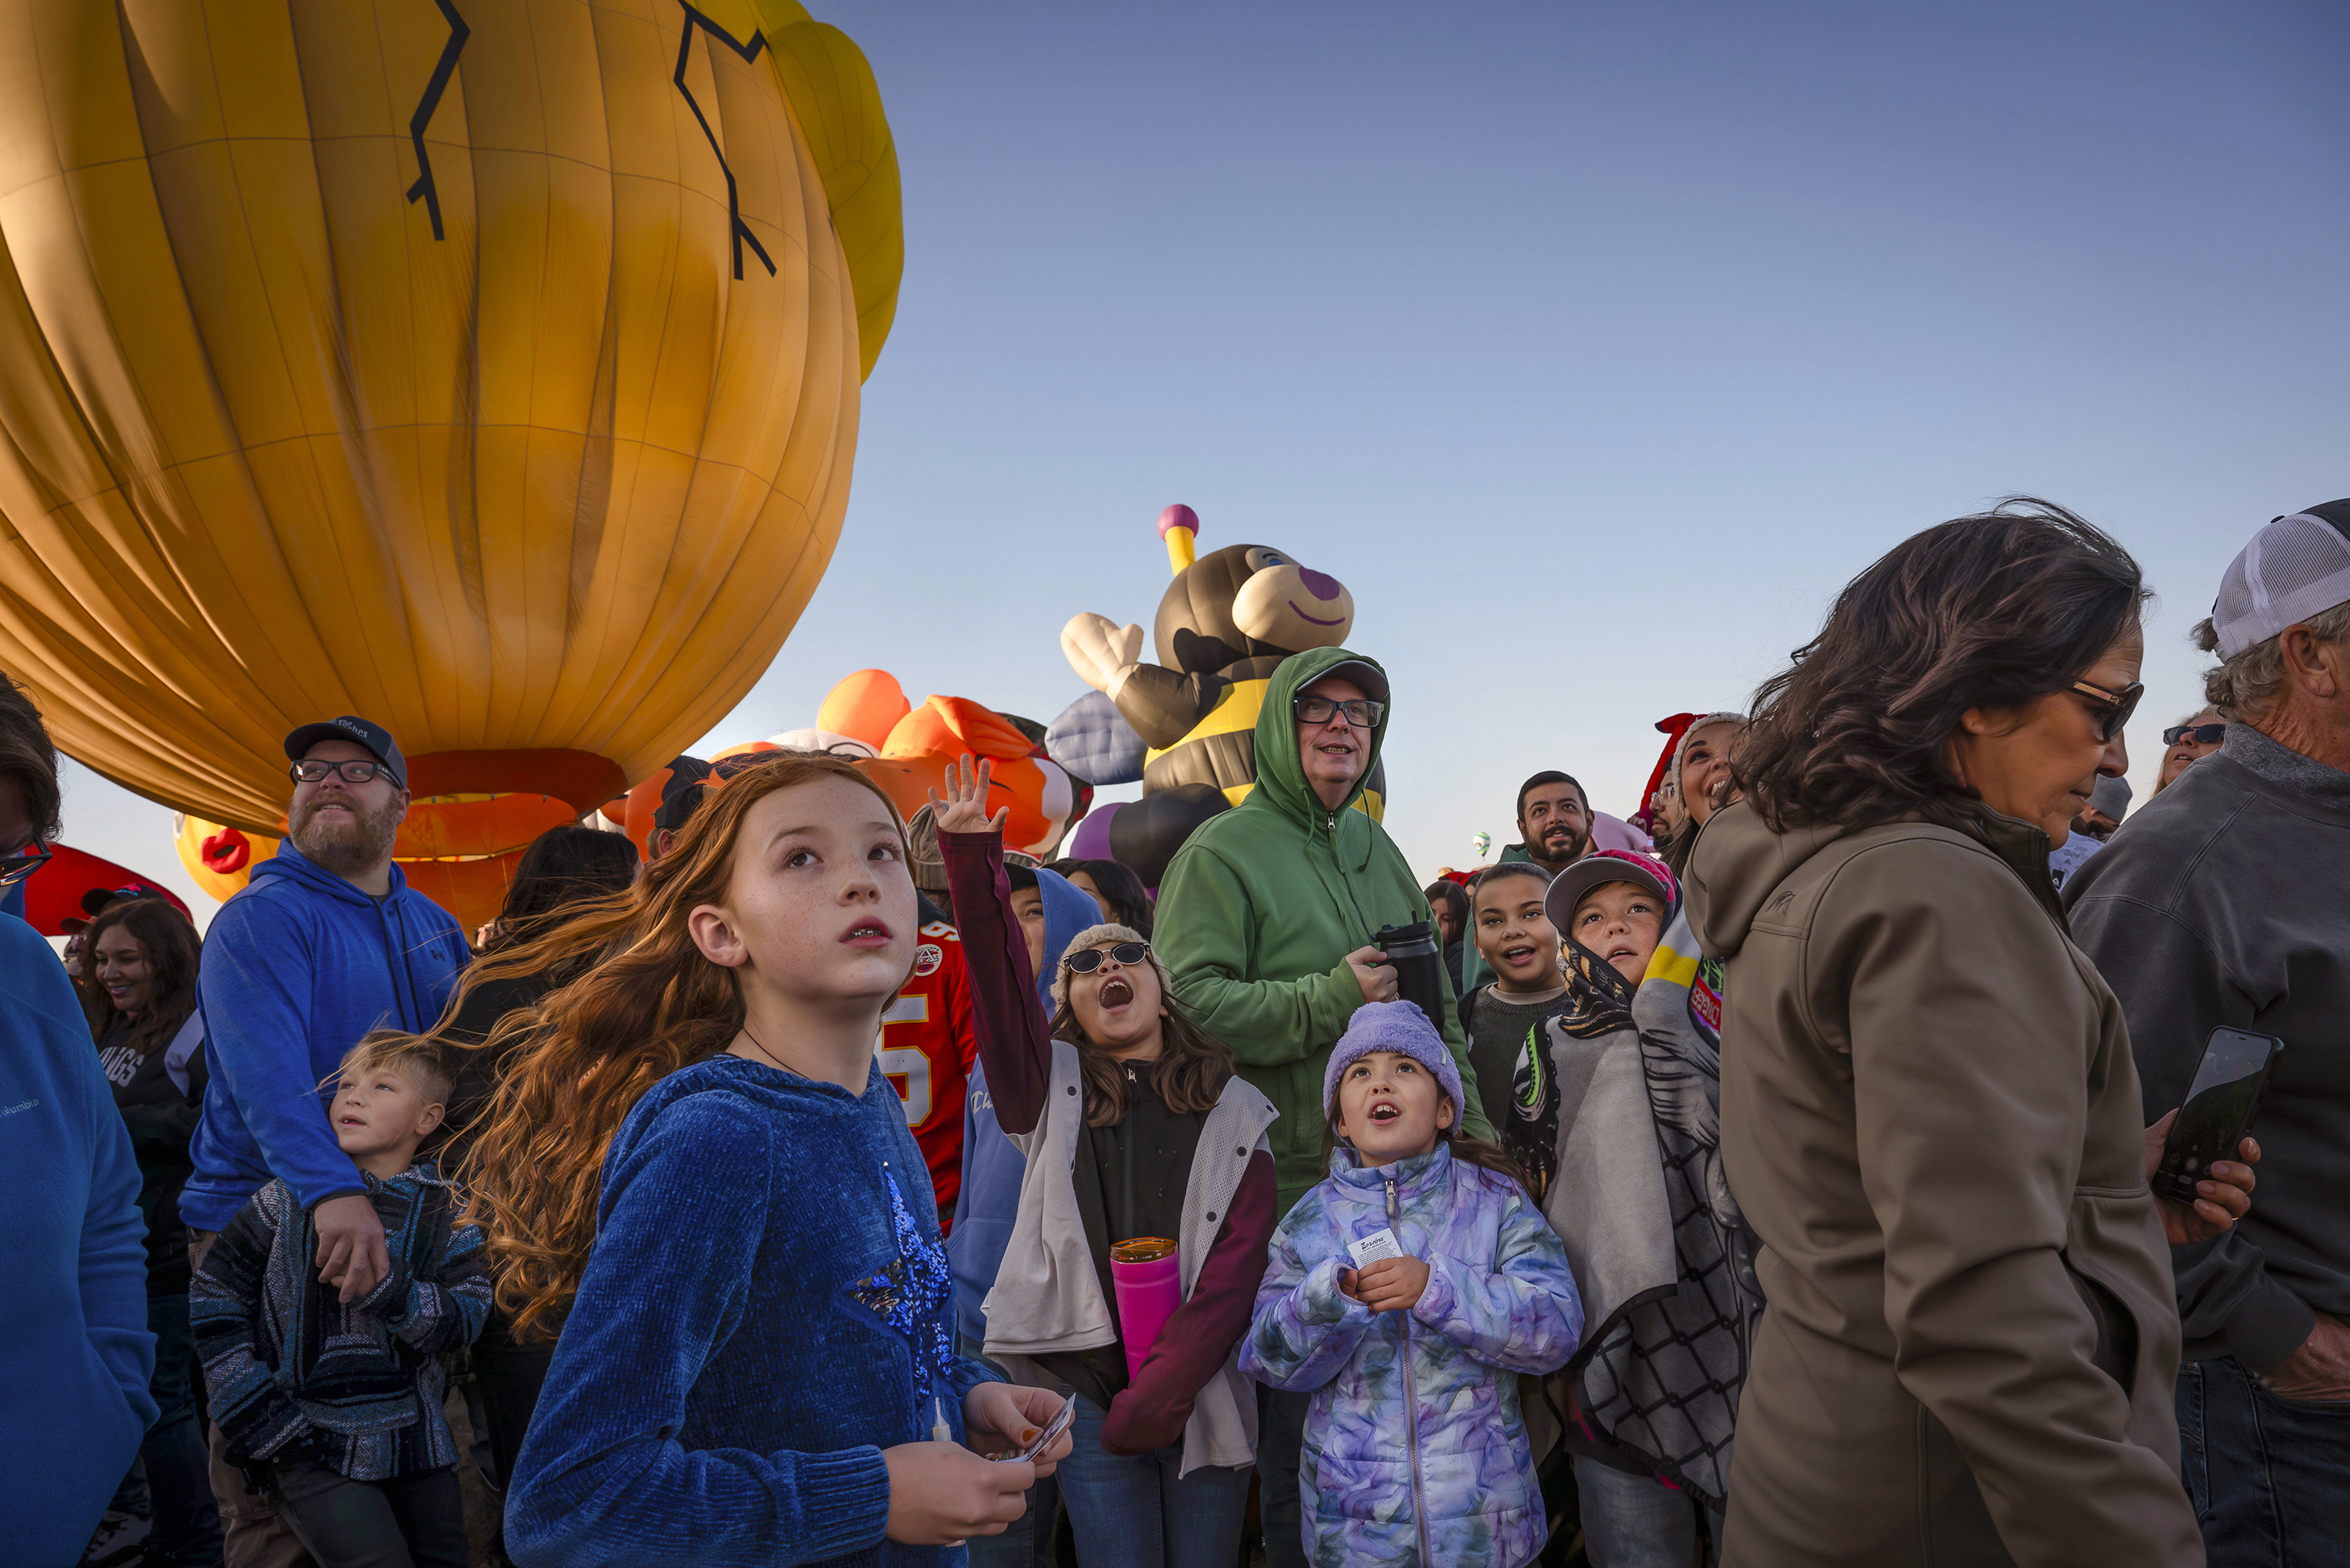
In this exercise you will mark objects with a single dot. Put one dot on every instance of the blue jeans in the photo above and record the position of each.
(2270, 1478)
(1135, 1513)
(185, 1525)
(1027, 1542)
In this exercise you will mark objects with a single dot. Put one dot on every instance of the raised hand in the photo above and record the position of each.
(964, 807)
(1100, 651)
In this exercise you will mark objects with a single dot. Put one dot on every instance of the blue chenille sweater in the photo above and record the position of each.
(74, 1353)
(763, 1314)
(297, 967)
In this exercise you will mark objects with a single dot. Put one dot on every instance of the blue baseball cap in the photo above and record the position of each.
(362, 731)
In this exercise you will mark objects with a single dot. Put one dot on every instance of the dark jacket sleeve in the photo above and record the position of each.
(447, 1309)
(257, 1418)
(2175, 988)
(1198, 1339)
(1006, 1015)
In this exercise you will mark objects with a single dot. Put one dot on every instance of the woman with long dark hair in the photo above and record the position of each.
(566, 871)
(140, 997)
(1930, 1114)
(694, 1169)
(1135, 1124)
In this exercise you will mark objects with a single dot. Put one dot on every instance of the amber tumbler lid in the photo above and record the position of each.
(1143, 1250)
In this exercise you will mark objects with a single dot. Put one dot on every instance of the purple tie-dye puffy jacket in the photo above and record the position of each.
(1444, 1476)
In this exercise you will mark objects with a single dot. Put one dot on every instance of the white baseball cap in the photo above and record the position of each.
(2296, 567)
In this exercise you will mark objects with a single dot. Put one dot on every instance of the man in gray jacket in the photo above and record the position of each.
(2227, 902)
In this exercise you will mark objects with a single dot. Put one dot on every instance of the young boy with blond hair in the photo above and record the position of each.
(333, 1402)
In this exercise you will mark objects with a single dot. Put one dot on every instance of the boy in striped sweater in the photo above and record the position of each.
(331, 1402)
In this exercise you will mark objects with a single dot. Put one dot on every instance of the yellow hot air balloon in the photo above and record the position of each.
(487, 367)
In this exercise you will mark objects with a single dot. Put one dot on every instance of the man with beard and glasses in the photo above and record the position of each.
(326, 942)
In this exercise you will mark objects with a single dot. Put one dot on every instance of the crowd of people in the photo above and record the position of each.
(1766, 1176)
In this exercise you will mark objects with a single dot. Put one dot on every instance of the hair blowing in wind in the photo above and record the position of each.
(651, 1006)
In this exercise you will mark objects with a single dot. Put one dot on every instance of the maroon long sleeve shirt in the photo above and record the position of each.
(1008, 1019)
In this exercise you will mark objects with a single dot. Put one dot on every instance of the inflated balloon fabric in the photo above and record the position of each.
(1094, 742)
(485, 368)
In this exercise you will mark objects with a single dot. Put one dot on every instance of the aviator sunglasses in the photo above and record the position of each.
(1091, 958)
(2201, 734)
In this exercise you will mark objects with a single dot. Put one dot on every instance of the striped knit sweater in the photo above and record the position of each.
(295, 1374)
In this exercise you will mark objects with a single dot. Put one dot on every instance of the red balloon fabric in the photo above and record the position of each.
(53, 895)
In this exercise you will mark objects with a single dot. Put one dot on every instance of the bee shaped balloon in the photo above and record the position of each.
(1226, 621)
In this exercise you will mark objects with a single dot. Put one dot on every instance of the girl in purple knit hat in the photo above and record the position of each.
(1406, 1293)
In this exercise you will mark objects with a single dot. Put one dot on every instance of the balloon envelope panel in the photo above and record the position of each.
(1093, 740)
(528, 438)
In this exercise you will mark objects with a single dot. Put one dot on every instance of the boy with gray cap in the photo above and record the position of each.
(2229, 903)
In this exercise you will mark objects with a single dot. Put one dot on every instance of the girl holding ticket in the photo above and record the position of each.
(1141, 1233)
(1405, 1293)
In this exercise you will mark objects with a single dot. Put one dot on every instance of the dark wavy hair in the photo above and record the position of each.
(1988, 611)
(562, 868)
(1124, 890)
(173, 954)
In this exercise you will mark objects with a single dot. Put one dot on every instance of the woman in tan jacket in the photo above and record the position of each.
(1928, 1111)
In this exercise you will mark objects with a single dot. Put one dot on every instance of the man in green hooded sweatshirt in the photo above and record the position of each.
(1265, 919)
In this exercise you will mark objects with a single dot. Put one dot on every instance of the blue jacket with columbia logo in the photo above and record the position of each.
(296, 968)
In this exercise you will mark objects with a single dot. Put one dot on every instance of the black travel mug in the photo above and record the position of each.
(1419, 965)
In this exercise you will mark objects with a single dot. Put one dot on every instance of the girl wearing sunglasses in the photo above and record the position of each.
(2196, 735)
(1135, 1126)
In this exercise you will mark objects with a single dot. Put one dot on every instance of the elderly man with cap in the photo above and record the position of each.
(326, 942)
(2092, 826)
(1266, 919)
(2227, 902)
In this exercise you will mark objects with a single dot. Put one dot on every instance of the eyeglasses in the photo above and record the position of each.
(15, 868)
(1361, 712)
(2201, 734)
(1088, 959)
(2117, 705)
(313, 772)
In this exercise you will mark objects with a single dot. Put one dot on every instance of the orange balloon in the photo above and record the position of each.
(865, 707)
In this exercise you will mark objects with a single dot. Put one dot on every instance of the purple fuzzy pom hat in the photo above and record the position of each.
(1400, 1027)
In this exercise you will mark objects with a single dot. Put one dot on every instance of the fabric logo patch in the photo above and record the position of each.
(1705, 999)
(926, 959)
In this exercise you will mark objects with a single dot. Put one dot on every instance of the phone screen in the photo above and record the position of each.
(2220, 1101)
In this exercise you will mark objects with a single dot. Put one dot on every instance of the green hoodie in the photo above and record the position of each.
(1258, 912)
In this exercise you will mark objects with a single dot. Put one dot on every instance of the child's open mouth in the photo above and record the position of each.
(1517, 954)
(1117, 991)
(1385, 1111)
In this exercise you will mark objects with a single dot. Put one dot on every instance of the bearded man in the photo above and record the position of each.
(326, 942)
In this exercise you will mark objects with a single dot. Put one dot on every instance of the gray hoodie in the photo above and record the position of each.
(2226, 900)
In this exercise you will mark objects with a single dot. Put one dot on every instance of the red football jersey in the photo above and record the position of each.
(926, 1050)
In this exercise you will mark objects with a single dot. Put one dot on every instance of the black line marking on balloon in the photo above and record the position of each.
(441, 71)
(749, 51)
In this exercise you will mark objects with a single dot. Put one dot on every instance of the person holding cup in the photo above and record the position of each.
(1143, 1221)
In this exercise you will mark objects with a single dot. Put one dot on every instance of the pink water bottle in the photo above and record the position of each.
(1149, 1278)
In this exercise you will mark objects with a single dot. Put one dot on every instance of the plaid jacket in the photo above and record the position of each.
(295, 1373)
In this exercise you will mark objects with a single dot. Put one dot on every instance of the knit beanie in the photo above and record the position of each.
(1397, 1026)
(1672, 775)
(1105, 936)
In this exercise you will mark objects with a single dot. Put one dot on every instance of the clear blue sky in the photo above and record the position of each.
(1593, 347)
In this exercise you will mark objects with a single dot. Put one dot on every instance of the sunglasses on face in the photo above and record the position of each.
(2114, 708)
(351, 772)
(1091, 958)
(15, 868)
(1361, 712)
(2201, 734)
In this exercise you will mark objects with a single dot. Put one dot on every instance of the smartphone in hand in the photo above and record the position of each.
(2220, 1104)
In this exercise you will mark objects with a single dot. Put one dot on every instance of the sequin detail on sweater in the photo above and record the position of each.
(912, 1295)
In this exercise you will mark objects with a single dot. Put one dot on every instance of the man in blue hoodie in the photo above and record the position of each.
(326, 942)
(75, 1352)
